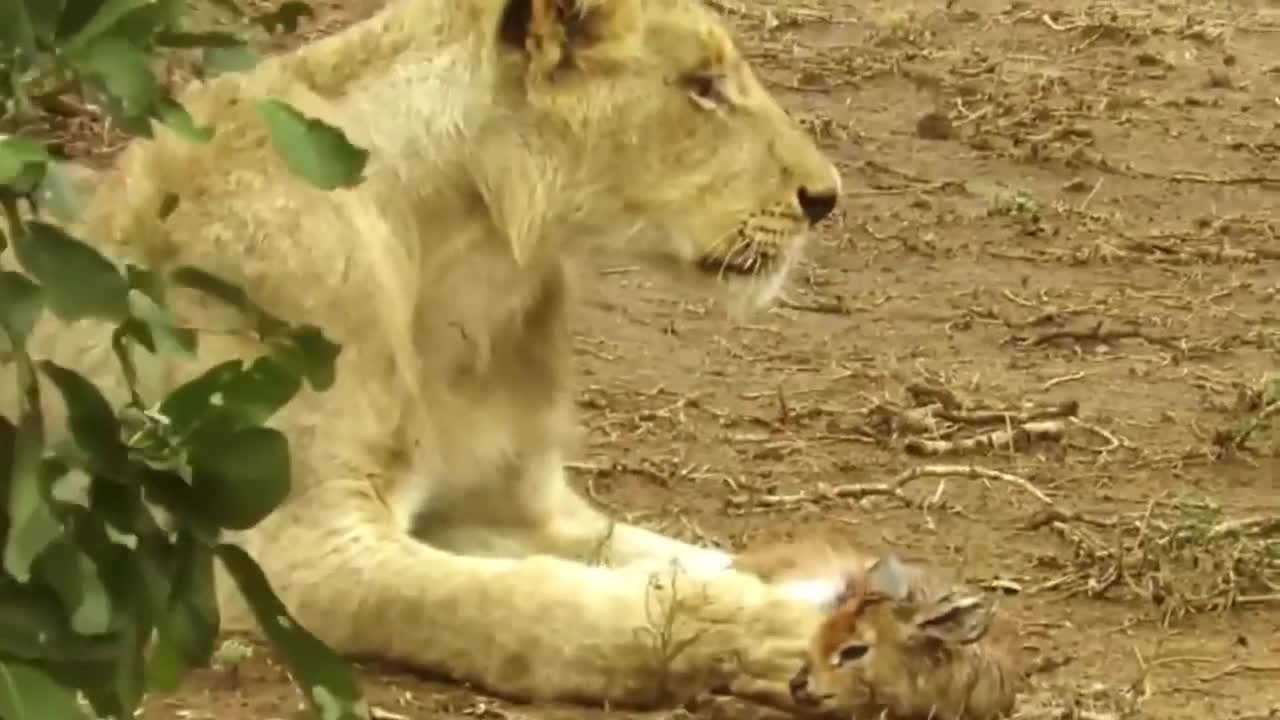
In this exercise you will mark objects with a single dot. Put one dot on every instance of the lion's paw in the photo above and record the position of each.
(779, 638)
(823, 592)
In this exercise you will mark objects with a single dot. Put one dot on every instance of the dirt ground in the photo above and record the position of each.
(1065, 212)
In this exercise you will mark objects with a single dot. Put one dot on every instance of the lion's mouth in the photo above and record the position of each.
(741, 266)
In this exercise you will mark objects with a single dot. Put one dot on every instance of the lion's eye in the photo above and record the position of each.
(849, 653)
(704, 89)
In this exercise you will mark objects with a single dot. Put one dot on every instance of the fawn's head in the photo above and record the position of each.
(897, 648)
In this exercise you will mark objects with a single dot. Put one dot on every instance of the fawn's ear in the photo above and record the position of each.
(562, 36)
(888, 576)
(955, 619)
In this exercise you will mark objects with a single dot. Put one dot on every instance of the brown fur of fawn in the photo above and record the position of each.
(901, 643)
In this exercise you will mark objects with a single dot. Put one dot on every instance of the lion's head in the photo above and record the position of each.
(664, 142)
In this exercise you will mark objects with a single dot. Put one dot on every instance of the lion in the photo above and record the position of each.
(430, 521)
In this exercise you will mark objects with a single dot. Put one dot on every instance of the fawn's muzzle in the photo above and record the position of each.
(799, 687)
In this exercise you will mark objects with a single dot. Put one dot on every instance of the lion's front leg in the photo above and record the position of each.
(536, 627)
(634, 546)
(568, 525)
(537, 512)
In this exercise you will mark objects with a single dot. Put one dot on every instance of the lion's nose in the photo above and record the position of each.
(816, 205)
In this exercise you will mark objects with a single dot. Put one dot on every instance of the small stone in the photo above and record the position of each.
(1220, 79)
(935, 126)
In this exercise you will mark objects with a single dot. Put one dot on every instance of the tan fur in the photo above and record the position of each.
(818, 556)
(430, 521)
(908, 672)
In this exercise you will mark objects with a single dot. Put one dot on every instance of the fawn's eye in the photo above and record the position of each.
(849, 653)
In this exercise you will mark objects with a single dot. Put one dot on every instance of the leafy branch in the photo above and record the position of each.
(98, 598)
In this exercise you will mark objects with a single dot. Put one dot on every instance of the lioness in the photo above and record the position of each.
(430, 520)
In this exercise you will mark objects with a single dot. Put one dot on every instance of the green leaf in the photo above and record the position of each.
(326, 681)
(197, 40)
(62, 193)
(171, 492)
(124, 355)
(34, 528)
(33, 627)
(259, 391)
(176, 117)
(123, 70)
(85, 402)
(123, 585)
(212, 285)
(215, 287)
(17, 31)
(22, 163)
(110, 13)
(95, 680)
(21, 303)
(239, 477)
(44, 15)
(92, 421)
(147, 282)
(316, 151)
(308, 352)
(32, 524)
(74, 576)
(8, 440)
(229, 396)
(140, 26)
(79, 282)
(29, 621)
(130, 672)
(117, 590)
(286, 17)
(163, 336)
(27, 693)
(237, 58)
(192, 402)
(188, 624)
(74, 16)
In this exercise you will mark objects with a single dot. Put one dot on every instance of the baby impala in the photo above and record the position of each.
(899, 644)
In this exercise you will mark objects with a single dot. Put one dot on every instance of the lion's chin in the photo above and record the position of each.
(744, 290)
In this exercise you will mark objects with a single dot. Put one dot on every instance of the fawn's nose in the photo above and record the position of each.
(817, 205)
(799, 687)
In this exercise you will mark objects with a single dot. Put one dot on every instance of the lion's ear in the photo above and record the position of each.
(561, 36)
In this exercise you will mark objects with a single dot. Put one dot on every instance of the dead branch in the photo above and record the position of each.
(1113, 440)
(889, 420)
(1065, 409)
(822, 307)
(852, 491)
(1191, 254)
(1097, 334)
(1263, 525)
(1203, 179)
(926, 394)
(970, 471)
(1014, 439)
